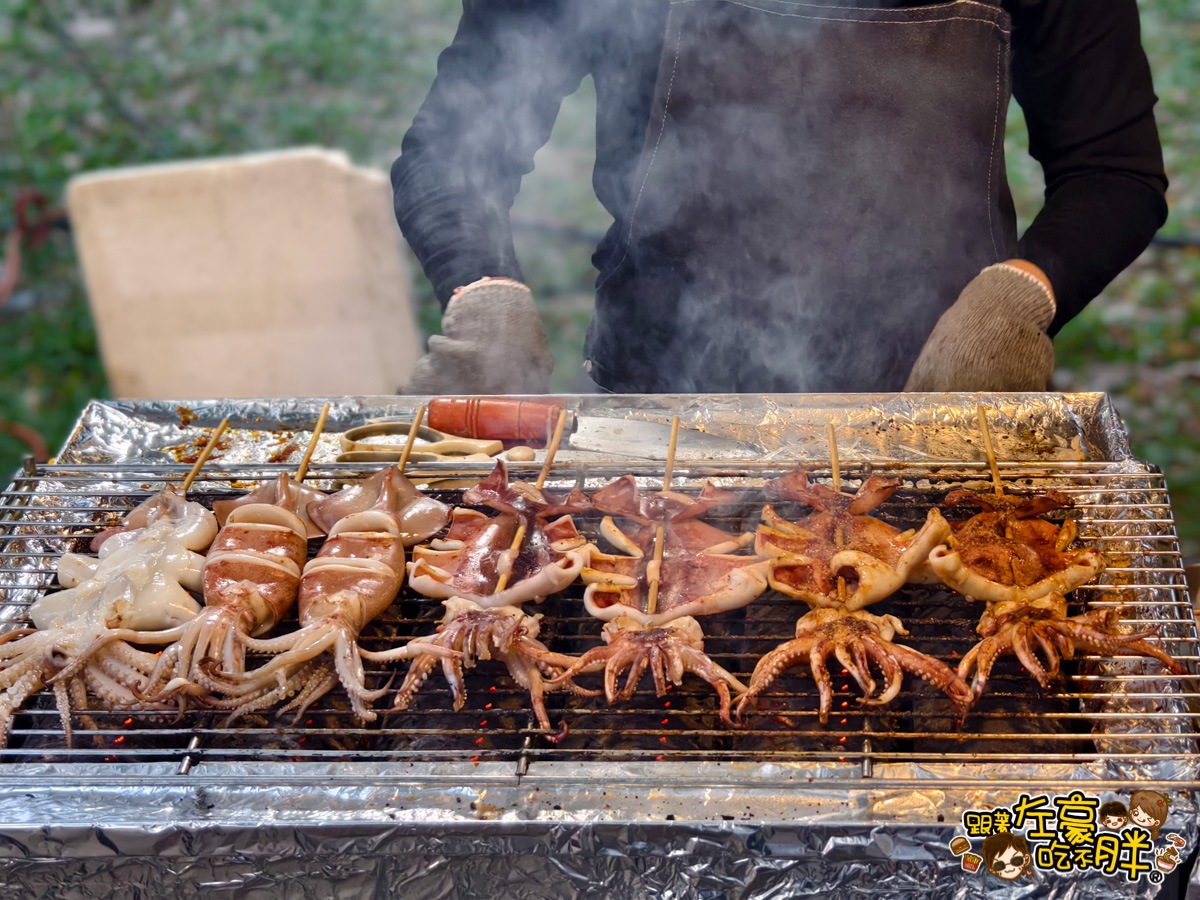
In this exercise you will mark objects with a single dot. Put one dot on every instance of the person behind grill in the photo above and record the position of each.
(806, 196)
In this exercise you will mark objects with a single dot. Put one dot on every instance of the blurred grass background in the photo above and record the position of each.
(102, 83)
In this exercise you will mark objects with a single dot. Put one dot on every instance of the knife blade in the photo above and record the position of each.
(507, 419)
(649, 440)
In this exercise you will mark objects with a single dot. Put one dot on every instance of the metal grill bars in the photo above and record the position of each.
(1125, 711)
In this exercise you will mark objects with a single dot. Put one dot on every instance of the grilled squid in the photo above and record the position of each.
(840, 557)
(838, 560)
(192, 524)
(416, 516)
(1022, 566)
(353, 579)
(469, 633)
(669, 652)
(464, 569)
(478, 551)
(250, 582)
(140, 579)
(856, 639)
(468, 562)
(284, 492)
(699, 574)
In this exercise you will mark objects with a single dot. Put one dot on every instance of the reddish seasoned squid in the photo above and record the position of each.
(698, 575)
(470, 560)
(477, 550)
(668, 651)
(469, 633)
(856, 639)
(838, 560)
(465, 567)
(839, 557)
(140, 579)
(1020, 564)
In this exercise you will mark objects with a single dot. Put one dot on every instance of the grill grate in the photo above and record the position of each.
(1122, 710)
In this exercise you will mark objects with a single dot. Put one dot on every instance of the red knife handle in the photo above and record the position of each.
(495, 418)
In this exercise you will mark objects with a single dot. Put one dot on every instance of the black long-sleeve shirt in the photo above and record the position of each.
(1078, 72)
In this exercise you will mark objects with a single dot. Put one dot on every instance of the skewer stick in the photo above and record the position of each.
(312, 444)
(833, 458)
(656, 565)
(839, 538)
(204, 455)
(552, 449)
(987, 447)
(412, 438)
(519, 537)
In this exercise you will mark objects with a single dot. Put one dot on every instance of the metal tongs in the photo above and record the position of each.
(370, 443)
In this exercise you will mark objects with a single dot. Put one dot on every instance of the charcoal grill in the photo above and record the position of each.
(661, 766)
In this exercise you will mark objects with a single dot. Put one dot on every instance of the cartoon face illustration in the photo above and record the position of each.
(1113, 815)
(1006, 855)
(1148, 809)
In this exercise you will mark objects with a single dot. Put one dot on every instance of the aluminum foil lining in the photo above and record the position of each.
(788, 427)
(557, 829)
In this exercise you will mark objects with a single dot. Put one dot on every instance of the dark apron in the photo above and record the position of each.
(817, 186)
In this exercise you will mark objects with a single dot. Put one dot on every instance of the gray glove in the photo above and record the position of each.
(993, 338)
(492, 342)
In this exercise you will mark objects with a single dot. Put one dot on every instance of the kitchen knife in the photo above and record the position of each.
(503, 419)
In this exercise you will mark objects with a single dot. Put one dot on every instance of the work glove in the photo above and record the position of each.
(492, 342)
(994, 336)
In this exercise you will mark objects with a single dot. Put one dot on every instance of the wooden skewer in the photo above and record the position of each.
(551, 451)
(839, 538)
(987, 447)
(312, 444)
(203, 457)
(833, 457)
(656, 565)
(412, 438)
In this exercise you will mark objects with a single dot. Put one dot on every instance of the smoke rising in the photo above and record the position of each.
(710, 280)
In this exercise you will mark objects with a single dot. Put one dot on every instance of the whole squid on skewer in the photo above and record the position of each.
(838, 560)
(1022, 566)
(353, 579)
(485, 568)
(649, 599)
(140, 578)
